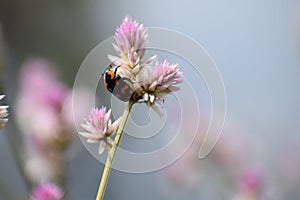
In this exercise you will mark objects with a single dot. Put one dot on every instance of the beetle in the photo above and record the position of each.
(117, 85)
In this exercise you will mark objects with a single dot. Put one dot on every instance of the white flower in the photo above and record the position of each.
(99, 128)
(3, 114)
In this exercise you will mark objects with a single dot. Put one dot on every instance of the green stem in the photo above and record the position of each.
(112, 152)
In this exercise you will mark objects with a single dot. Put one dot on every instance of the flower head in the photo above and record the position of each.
(41, 104)
(161, 79)
(152, 83)
(46, 191)
(100, 128)
(131, 41)
(3, 114)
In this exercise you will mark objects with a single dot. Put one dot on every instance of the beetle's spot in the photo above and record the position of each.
(105, 83)
(123, 89)
(111, 74)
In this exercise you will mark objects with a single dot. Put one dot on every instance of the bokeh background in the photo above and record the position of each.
(254, 43)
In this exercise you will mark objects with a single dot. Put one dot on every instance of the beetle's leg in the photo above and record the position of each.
(117, 69)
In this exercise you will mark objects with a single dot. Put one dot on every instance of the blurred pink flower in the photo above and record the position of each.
(251, 180)
(39, 83)
(131, 41)
(3, 113)
(249, 185)
(99, 127)
(40, 103)
(46, 191)
(41, 111)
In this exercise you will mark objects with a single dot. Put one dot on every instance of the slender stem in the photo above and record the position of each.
(112, 152)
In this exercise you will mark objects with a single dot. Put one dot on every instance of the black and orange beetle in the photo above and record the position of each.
(117, 85)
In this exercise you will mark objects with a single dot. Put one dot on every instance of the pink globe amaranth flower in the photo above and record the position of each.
(131, 41)
(46, 191)
(100, 128)
(152, 83)
(159, 80)
(3, 113)
(164, 78)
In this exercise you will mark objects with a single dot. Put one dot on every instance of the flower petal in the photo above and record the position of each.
(90, 136)
(88, 128)
(101, 147)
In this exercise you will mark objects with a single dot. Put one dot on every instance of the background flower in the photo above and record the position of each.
(46, 191)
(41, 113)
(3, 114)
(249, 185)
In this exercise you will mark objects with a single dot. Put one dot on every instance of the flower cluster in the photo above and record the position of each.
(100, 128)
(150, 80)
(250, 185)
(3, 114)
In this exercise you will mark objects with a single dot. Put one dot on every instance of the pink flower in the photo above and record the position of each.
(249, 186)
(153, 83)
(3, 113)
(40, 104)
(149, 81)
(131, 41)
(47, 191)
(163, 79)
(99, 127)
(251, 180)
(42, 116)
(40, 85)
